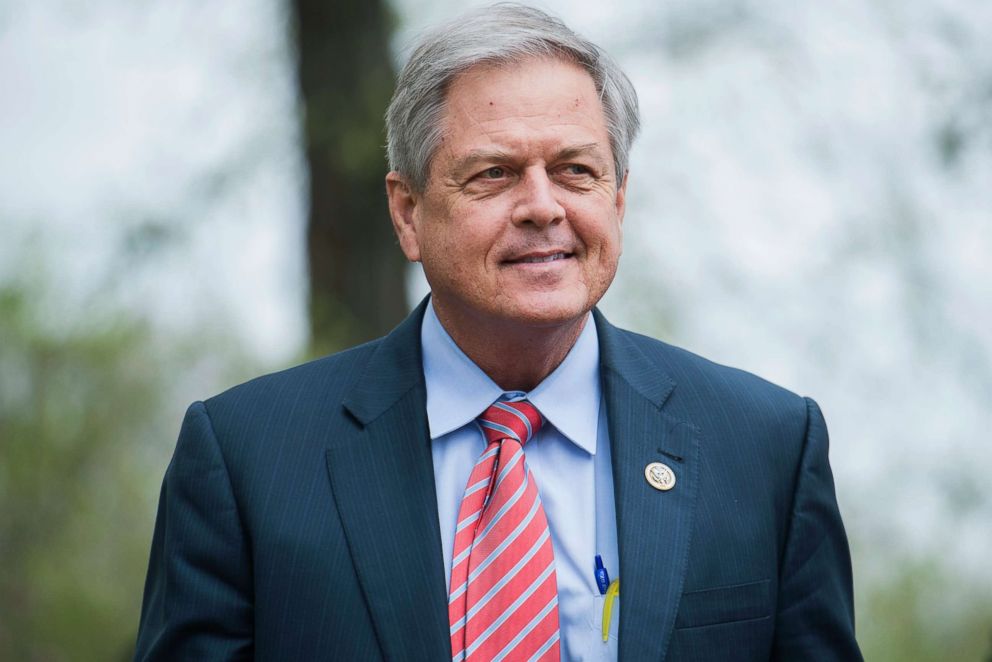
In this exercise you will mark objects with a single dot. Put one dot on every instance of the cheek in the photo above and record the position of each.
(601, 231)
(608, 248)
(457, 251)
(477, 232)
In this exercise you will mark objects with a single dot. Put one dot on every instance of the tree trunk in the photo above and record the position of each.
(346, 78)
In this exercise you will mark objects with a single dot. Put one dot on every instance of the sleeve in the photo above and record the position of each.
(815, 619)
(198, 597)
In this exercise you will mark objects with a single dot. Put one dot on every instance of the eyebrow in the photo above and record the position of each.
(589, 149)
(496, 155)
(477, 156)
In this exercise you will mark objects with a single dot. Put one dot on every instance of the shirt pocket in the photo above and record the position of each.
(596, 624)
(724, 604)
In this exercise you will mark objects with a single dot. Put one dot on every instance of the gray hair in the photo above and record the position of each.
(498, 34)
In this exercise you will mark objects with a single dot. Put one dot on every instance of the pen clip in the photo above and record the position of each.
(602, 576)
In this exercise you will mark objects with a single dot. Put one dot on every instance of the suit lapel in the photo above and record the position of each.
(382, 477)
(653, 527)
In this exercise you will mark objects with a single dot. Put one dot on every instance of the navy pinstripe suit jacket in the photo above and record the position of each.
(298, 519)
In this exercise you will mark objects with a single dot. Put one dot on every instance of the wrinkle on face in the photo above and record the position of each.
(521, 139)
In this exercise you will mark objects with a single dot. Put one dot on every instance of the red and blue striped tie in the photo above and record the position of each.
(503, 602)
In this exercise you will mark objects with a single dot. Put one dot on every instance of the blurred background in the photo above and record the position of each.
(191, 194)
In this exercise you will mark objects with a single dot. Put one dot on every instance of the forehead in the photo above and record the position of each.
(529, 105)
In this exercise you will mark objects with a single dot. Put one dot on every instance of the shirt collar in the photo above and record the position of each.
(458, 391)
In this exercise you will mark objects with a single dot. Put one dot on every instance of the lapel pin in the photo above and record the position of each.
(660, 476)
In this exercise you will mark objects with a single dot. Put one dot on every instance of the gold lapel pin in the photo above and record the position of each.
(660, 476)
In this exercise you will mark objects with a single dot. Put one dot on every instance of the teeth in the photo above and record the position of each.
(547, 258)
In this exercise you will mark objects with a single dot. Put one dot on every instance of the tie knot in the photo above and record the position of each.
(510, 420)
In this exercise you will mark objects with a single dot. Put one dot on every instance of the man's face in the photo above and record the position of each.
(520, 221)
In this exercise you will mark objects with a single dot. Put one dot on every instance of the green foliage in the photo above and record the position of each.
(75, 409)
(923, 612)
(88, 418)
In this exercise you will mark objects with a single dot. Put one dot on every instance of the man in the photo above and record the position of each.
(444, 492)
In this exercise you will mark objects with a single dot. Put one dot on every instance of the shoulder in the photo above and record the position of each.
(709, 375)
(311, 405)
(752, 434)
(313, 388)
(713, 396)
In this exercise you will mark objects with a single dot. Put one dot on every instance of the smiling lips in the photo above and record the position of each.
(539, 258)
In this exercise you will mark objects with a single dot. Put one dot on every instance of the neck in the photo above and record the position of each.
(535, 351)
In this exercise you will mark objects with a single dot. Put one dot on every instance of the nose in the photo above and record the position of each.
(536, 202)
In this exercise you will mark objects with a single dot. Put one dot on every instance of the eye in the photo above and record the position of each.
(495, 172)
(577, 169)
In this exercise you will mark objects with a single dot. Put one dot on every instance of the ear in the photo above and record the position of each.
(403, 210)
(621, 200)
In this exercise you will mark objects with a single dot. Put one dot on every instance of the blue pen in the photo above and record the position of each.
(602, 577)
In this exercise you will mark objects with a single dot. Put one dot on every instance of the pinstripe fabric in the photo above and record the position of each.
(298, 518)
(503, 601)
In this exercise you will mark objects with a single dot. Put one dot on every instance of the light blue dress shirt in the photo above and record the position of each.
(570, 460)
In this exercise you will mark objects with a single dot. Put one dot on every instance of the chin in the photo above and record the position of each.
(548, 311)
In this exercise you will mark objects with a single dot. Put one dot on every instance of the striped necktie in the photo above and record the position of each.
(503, 602)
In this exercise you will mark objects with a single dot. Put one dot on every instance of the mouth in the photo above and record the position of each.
(539, 258)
